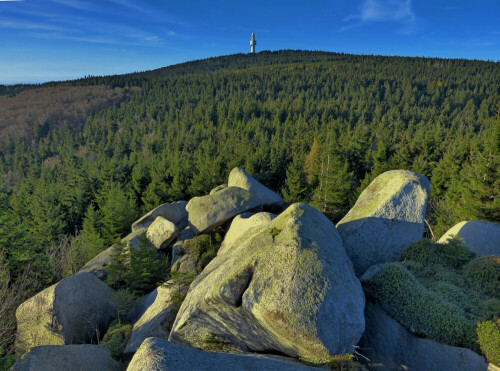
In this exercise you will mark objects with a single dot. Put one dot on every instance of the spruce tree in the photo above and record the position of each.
(295, 188)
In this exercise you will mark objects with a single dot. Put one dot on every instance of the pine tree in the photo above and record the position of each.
(333, 194)
(295, 189)
(119, 267)
(146, 269)
(118, 210)
(91, 232)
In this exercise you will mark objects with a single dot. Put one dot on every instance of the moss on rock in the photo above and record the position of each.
(294, 292)
(483, 273)
(434, 291)
(488, 333)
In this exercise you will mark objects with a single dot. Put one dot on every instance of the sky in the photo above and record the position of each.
(53, 40)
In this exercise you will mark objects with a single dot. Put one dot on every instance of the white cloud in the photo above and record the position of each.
(388, 10)
(75, 4)
(399, 11)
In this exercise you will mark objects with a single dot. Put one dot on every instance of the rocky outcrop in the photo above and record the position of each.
(155, 314)
(483, 238)
(158, 354)
(389, 346)
(81, 357)
(161, 233)
(174, 212)
(177, 248)
(73, 311)
(243, 223)
(268, 199)
(98, 265)
(287, 287)
(388, 216)
(218, 188)
(185, 264)
(211, 211)
(134, 239)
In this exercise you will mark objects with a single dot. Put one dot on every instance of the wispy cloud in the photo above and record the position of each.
(75, 4)
(20, 25)
(398, 11)
(130, 5)
(477, 42)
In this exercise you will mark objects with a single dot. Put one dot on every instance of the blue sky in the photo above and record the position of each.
(45, 40)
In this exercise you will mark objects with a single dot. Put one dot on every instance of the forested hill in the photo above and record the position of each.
(315, 127)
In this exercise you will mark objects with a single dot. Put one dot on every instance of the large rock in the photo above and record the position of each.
(243, 223)
(134, 238)
(162, 233)
(482, 237)
(186, 264)
(156, 314)
(174, 212)
(218, 188)
(98, 265)
(240, 178)
(389, 346)
(287, 287)
(75, 310)
(81, 357)
(177, 248)
(388, 216)
(158, 354)
(211, 211)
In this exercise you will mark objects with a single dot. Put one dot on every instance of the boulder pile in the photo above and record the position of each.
(273, 283)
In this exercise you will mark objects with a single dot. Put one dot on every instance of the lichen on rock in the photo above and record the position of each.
(388, 216)
(294, 292)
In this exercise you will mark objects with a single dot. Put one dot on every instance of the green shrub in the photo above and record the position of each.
(488, 334)
(205, 259)
(489, 309)
(483, 273)
(6, 360)
(426, 252)
(274, 231)
(139, 269)
(419, 309)
(180, 282)
(341, 362)
(123, 300)
(116, 337)
(203, 248)
(440, 291)
(147, 270)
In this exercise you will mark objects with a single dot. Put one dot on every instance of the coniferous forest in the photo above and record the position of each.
(315, 127)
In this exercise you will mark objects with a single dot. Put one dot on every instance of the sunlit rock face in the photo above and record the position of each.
(286, 286)
(388, 216)
(483, 238)
(76, 310)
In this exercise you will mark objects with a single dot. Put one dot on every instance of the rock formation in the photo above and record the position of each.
(242, 223)
(389, 346)
(268, 198)
(81, 357)
(155, 314)
(211, 211)
(287, 286)
(157, 354)
(75, 310)
(161, 233)
(388, 216)
(174, 212)
(482, 237)
(279, 284)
